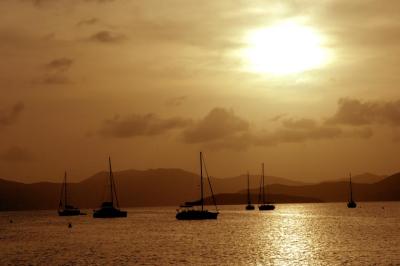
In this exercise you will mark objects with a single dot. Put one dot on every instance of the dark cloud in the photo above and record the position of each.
(10, 116)
(176, 101)
(56, 72)
(60, 64)
(41, 3)
(106, 36)
(303, 123)
(222, 129)
(357, 113)
(218, 123)
(277, 118)
(141, 125)
(55, 79)
(16, 154)
(89, 21)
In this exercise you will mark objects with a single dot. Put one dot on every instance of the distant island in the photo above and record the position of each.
(171, 187)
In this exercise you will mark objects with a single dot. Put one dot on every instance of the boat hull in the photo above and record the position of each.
(266, 207)
(67, 212)
(109, 213)
(250, 207)
(351, 205)
(196, 215)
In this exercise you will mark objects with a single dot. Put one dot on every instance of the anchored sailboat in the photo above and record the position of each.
(188, 212)
(264, 206)
(249, 206)
(110, 209)
(64, 209)
(351, 203)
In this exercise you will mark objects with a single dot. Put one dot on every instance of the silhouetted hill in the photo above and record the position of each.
(386, 190)
(157, 187)
(365, 178)
(241, 198)
(234, 184)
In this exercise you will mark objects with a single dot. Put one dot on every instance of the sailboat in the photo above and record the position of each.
(351, 203)
(249, 206)
(264, 206)
(64, 209)
(110, 209)
(188, 212)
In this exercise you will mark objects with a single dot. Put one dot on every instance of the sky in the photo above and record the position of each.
(310, 89)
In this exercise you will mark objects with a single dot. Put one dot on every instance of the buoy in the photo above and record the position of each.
(69, 225)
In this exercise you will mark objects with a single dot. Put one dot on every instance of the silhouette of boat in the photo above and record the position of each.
(351, 204)
(264, 206)
(110, 209)
(188, 210)
(64, 209)
(249, 206)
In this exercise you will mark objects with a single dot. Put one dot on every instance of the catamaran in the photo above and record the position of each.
(351, 204)
(249, 206)
(110, 209)
(264, 206)
(188, 211)
(64, 209)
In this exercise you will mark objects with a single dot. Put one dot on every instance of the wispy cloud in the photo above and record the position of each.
(9, 116)
(106, 36)
(89, 21)
(16, 154)
(358, 113)
(140, 125)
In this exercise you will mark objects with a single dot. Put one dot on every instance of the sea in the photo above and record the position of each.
(292, 234)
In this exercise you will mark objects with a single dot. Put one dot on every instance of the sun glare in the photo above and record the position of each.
(284, 48)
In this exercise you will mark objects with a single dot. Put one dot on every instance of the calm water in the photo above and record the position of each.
(293, 234)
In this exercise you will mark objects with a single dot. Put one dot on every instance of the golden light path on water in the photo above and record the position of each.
(284, 48)
(292, 234)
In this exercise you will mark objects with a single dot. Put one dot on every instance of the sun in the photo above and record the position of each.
(284, 48)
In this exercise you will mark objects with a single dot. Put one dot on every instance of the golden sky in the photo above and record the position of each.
(308, 88)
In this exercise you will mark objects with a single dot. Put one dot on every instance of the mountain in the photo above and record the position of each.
(134, 188)
(155, 187)
(365, 178)
(241, 198)
(234, 184)
(387, 189)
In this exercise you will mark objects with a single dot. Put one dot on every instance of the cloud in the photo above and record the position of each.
(357, 113)
(60, 64)
(303, 123)
(106, 36)
(10, 116)
(175, 101)
(218, 123)
(89, 21)
(16, 154)
(222, 129)
(41, 3)
(56, 72)
(140, 125)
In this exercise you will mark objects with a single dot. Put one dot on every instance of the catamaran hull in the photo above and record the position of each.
(114, 214)
(250, 207)
(351, 205)
(69, 212)
(196, 215)
(266, 207)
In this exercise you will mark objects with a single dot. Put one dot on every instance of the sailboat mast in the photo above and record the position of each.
(111, 181)
(65, 189)
(248, 188)
(263, 184)
(351, 190)
(201, 181)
